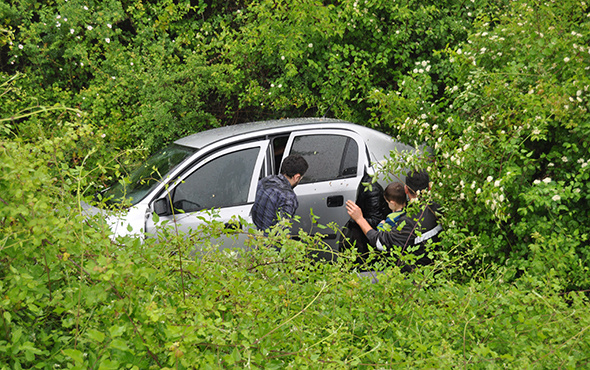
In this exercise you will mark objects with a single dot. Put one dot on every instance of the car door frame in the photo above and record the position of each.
(349, 184)
(223, 214)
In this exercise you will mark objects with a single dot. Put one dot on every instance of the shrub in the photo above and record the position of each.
(509, 140)
(75, 298)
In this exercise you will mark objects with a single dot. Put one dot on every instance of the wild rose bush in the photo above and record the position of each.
(73, 298)
(498, 90)
(510, 140)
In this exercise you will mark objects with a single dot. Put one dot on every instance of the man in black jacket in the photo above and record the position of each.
(415, 228)
(374, 209)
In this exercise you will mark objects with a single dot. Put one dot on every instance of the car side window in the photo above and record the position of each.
(222, 182)
(330, 157)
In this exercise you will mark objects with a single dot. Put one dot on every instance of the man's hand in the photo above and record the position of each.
(356, 214)
(354, 211)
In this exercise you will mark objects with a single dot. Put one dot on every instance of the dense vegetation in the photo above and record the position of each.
(498, 89)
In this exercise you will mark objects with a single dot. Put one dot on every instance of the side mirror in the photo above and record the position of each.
(162, 207)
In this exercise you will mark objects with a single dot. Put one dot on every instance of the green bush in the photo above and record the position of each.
(150, 72)
(511, 155)
(74, 298)
(498, 90)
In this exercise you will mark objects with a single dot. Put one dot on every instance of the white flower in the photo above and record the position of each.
(501, 198)
(478, 191)
(107, 40)
(20, 46)
(566, 59)
(72, 31)
(109, 25)
(310, 45)
(282, 57)
(564, 158)
(497, 183)
(547, 180)
(131, 63)
(556, 197)
(89, 28)
(537, 182)
(103, 135)
(85, 8)
(489, 178)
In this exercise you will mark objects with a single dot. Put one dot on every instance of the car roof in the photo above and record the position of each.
(379, 143)
(204, 138)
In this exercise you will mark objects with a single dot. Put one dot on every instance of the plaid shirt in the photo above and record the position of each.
(275, 199)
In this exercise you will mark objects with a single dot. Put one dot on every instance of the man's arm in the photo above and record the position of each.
(286, 207)
(355, 212)
(382, 239)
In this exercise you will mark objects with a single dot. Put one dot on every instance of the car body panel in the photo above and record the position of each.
(322, 194)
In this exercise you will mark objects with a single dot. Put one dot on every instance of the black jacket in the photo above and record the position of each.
(374, 208)
(417, 229)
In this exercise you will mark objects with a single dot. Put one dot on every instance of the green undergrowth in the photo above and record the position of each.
(71, 297)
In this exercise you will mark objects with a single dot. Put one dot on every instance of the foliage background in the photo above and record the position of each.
(498, 89)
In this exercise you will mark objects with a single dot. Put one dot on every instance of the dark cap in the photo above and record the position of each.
(417, 180)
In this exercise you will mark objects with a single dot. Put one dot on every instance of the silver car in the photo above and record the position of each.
(219, 169)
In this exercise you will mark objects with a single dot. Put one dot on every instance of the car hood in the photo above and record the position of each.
(128, 222)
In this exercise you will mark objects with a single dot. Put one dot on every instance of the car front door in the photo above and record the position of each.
(219, 186)
(336, 160)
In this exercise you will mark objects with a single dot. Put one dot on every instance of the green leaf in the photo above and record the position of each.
(95, 335)
(75, 355)
(119, 344)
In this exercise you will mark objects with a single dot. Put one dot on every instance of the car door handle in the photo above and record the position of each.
(335, 201)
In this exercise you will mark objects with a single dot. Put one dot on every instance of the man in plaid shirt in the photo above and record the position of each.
(275, 198)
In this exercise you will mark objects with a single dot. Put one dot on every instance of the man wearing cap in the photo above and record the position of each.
(416, 228)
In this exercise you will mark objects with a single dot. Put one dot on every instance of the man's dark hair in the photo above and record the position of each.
(395, 192)
(417, 180)
(293, 165)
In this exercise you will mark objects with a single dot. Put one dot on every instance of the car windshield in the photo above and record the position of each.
(147, 176)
